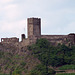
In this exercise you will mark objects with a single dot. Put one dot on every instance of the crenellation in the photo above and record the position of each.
(34, 33)
(9, 40)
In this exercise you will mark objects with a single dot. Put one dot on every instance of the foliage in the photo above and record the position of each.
(50, 55)
(44, 51)
(14, 63)
(41, 70)
(42, 43)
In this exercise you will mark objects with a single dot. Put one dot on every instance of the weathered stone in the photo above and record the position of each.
(9, 40)
(34, 33)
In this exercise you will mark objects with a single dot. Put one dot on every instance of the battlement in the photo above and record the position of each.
(34, 33)
(9, 40)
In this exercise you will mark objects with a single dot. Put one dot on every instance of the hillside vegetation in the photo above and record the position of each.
(16, 61)
(35, 59)
(54, 56)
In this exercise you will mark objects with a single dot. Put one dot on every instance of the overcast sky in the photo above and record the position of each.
(57, 16)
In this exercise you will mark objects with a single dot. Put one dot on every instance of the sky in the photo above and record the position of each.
(57, 16)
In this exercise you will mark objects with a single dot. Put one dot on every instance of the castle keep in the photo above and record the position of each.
(34, 33)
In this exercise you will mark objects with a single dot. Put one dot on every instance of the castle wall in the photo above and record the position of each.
(9, 40)
(55, 39)
(34, 33)
(62, 39)
(25, 42)
(58, 37)
(34, 30)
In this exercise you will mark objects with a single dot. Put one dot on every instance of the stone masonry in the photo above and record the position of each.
(34, 33)
(9, 40)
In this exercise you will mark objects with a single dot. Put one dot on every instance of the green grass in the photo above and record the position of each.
(67, 67)
(66, 74)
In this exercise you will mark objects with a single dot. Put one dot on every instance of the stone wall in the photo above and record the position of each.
(9, 40)
(55, 39)
(34, 33)
(62, 39)
(34, 27)
(37, 27)
(25, 42)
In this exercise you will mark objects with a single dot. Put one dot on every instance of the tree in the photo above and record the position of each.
(43, 43)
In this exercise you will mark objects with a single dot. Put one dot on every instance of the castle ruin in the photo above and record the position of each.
(34, 33)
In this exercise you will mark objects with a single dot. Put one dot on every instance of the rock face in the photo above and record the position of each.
(34, 33)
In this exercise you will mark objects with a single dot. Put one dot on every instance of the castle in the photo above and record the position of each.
(34, 33)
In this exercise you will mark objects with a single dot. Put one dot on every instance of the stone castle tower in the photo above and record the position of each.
(34, 27)
(34, 33)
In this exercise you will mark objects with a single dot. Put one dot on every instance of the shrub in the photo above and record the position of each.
(41, 70)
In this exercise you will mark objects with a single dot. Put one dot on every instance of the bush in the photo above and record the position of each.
(50, 55)
(41, 70)
(43, 43)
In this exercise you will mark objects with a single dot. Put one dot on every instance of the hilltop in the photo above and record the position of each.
(30, 59)
(48, 50)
